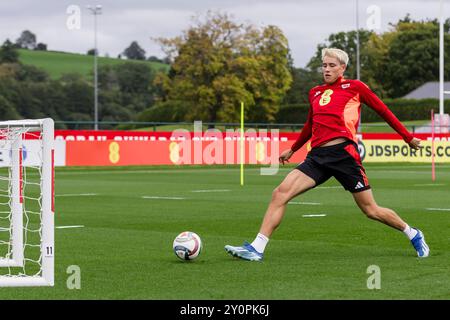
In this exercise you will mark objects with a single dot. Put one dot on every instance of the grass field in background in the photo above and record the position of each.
(59, 63)
(125, 251)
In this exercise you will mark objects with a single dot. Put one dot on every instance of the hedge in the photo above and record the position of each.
(168, 111)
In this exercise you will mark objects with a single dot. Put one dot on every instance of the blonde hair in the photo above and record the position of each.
(339, 54)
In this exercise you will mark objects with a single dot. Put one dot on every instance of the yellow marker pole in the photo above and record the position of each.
(242, 143)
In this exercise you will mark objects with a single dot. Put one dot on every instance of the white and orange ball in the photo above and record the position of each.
(187, 245)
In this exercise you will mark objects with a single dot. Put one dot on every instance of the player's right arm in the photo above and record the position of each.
(305, 135)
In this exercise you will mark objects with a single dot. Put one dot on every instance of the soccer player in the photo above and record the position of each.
(332, 122)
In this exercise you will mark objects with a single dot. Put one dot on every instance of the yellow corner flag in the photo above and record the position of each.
(242, 143)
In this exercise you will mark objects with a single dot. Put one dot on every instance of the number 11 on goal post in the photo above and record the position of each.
(27, 203)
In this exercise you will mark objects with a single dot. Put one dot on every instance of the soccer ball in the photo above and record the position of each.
(187, 245)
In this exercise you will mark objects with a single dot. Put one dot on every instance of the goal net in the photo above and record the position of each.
(27, 203)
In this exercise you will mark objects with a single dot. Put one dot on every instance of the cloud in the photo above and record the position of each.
(305, 23)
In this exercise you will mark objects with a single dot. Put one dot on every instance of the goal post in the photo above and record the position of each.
(27, 202)
(16, 257)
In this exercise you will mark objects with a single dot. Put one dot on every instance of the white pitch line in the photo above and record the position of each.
(218, 190)
(306, 203)
(429, 185)
(68, 227)
(313, 215)
(163, 198)
(437, 209)
(77, 195)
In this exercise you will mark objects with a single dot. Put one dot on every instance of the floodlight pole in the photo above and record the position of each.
(95, 11)
(358, 76)
(441, 59)
(357, 42)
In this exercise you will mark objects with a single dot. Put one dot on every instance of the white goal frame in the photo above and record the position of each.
(46, 278)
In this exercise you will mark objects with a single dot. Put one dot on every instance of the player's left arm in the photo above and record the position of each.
(368, 97)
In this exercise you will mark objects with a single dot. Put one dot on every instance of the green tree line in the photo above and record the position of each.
(393, 64)
(215, 65)
(26, 91)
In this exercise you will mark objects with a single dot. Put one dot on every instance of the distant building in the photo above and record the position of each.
(428, 90)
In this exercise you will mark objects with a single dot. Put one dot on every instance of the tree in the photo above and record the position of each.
(134, 77)
(166, 60)
(27, 40)
(7, 110)
(91, 52)
(303, 81)
(154, 59)
(9, 70)
(41, 46)
(395, 62)
(345, 41)
(217, 64)
(80, 97)
(8, 53)
(412, 57)
(31, 73)
(134, 51)
(112, 108)
(107, 77)
(128, 85)
(375, 56)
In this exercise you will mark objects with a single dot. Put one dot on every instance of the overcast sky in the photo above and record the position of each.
(306, 23)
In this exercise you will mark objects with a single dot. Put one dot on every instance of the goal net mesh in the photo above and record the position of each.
(20, 194)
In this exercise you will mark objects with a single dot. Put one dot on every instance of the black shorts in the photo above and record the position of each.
(341, 161)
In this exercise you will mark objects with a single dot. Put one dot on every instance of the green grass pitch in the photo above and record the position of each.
(59, 63)
(124, 250)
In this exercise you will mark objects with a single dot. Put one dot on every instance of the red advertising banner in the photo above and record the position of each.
(119, 148)
(120, 135)
(122, 153)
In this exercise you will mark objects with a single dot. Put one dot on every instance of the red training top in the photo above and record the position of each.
(335, 110)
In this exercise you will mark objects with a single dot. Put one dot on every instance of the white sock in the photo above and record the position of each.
(260, 242)
(410, 232)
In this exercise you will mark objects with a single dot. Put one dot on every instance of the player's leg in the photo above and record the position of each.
(295, 183)
(348, 170)
(352, 175)
(306, 176)
(367, 204)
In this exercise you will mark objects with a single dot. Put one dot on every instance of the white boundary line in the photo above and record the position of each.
(437, 209)
(162, 171)
(165, 171)
(69, 227)
(404, 171)
(425, 166)
(77, 195)
(313, 215)
(163, 198)
(306, 203)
